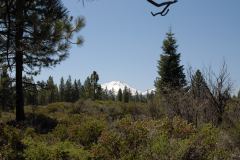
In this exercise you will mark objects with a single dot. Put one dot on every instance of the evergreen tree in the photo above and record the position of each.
(35, 34)
(42, 95)
(6, 90)
(120, 95)
(62, 90)
(238, 94)
(30, 91)
(198, 85)
(87, 88)
(171, 75)
(142, 98)
(136, 97)
(68, 90)
(126, 96)
(111, 95)
(52, 90)
(76, 91)
(105, 95)
(80, 88)
(94, 84)
(150, 95)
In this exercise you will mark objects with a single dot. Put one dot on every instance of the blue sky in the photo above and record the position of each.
(123, 41)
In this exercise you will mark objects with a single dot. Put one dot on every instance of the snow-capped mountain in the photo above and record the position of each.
(116, 85)
(148, 91)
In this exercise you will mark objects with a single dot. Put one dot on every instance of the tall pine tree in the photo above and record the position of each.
(62, 90)
(120, 95)
(68, 90)
(170, 72)
(34, 34)
(94, 83)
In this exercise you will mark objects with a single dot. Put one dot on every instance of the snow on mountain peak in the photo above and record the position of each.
(116, 85)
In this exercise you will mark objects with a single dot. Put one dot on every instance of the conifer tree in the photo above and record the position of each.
(68, 90)
(6, 90)
(170, 72)
(126, 96)
(87, 88)
(42, 95)
(94, 84)
(30, 91)
(76, 91)
(62, 90)
(34, 34)
(198, 85)
(79, 88)
(52, 90)
(111, 94)
(120, 95)
(105, 95)
(136, 97)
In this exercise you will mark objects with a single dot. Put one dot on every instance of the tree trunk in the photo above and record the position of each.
(20, 116)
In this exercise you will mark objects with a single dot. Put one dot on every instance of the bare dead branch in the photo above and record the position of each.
(165, 6)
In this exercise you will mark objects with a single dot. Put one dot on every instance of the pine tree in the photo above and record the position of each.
(76, 91)
(80, 88)
(105, 95)
(52, 90)
(198, 85)
(171, 75)
(6, 90)
(34, 34)
(120, 95)
(94, 83)
(111, 95)
(42, 95)
(126, 96)
(150, 95)
(136, 97)
(30, 91)
(68, 90)
(62, 90)
(87, 88)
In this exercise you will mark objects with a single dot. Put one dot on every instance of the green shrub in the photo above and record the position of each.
(128, 140)
(41, 123)
(37, 150)
(203, 145)
(58, 107)
(110, 146)
(88, 132)
(11, 146)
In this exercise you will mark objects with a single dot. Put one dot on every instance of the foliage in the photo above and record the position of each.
(37, 150)
(170, 72)
(112, 130)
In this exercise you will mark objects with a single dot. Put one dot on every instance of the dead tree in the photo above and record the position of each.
(220, 87)
(165, 7)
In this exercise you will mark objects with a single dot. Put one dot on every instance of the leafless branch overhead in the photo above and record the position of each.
(165, 6)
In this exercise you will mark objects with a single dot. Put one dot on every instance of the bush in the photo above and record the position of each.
(88, 132)
(127, 141)
(110, 146)
(11, 146)
(58, 107)
(37, 150)
(41, 123)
